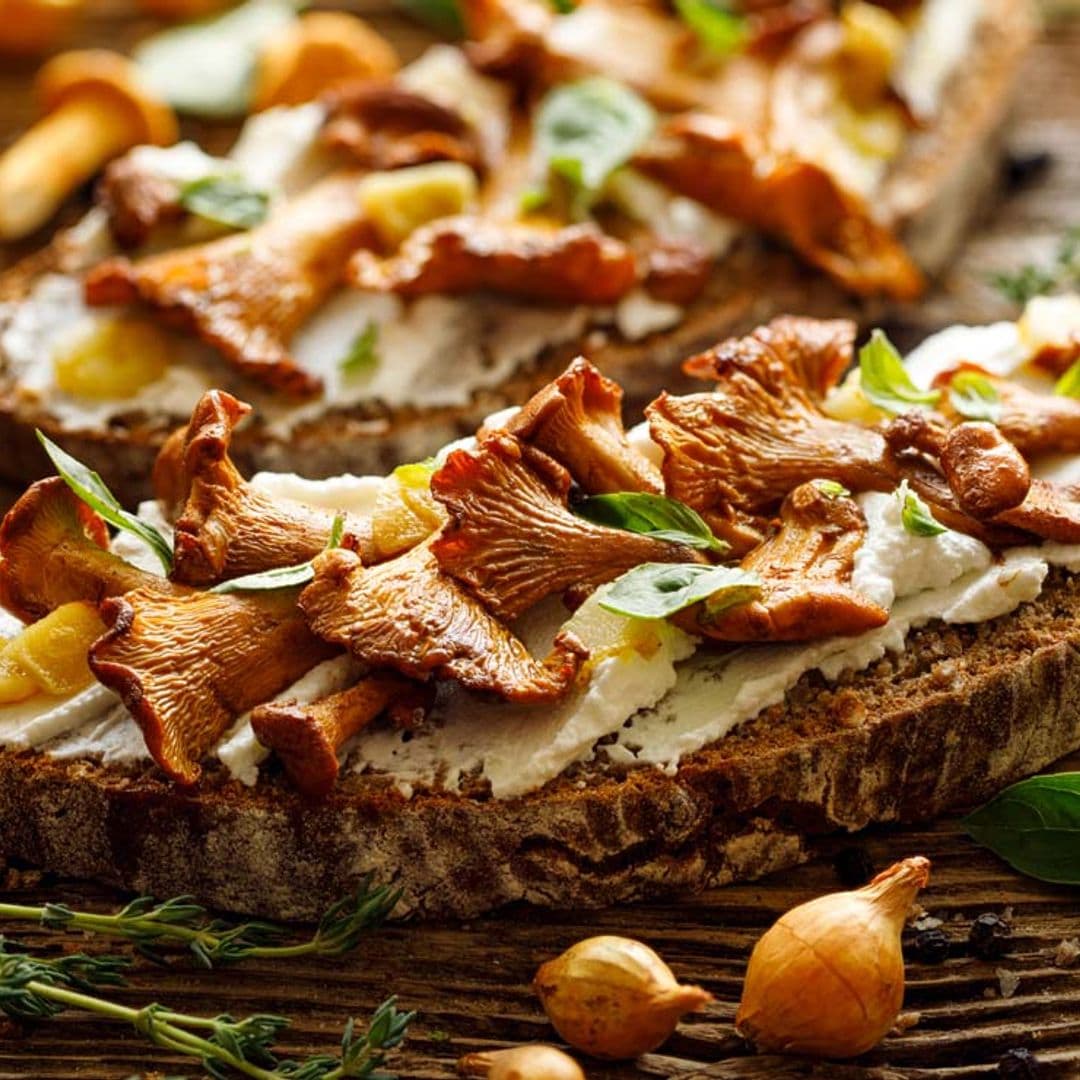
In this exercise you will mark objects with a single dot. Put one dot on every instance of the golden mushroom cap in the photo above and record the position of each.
(107, 75)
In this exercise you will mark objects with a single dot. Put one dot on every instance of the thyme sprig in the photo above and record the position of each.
(150, 925)
(37, 988)
(1032, 280)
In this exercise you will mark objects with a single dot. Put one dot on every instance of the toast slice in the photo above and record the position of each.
(943, 177)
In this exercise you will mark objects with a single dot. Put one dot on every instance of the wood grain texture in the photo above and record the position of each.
(470, 982)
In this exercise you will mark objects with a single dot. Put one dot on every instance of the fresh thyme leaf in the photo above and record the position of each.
(884, 379)
(831, 489)
(659, 590)
(225, 200)
(1069, 383)
(915, 515)
(363, 352)
(282, 577)
(974, 397)
(651, 515)
(1031, 280)
(1034, 826)
(719, 28)
(89, 487)
(585, 130)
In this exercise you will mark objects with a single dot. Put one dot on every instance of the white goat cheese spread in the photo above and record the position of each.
(652, 695)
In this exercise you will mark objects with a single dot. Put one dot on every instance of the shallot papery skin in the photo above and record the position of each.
(827, 979)
(535, 1061)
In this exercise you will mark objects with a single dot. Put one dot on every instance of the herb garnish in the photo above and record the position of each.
(89, 487)
(659, 590)
(975, 397)
(283, 577)
(915, 515)
(444, 16)
(585, 130)
(363, 352)
(884, 379)
(1034, 826)
(831, 489)
(1063, 272)
(225, 200)
(651, 515)
(1069, 383)
(716, 25)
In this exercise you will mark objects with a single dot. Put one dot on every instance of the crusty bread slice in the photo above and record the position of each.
(942, 181)
(963, 711)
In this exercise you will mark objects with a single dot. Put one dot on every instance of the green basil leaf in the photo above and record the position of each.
(975, 397)
(225, 200)
(89, 487)
(831, 489)
(659, 590)
(585, 130)
(363, 352)
(716, 25)
(1069, 383)
(206, 67)
(443, 16)
(884, 379)
(651, 515)
(564, 7)
(1034, 826)
(282, 577)
(915, 515)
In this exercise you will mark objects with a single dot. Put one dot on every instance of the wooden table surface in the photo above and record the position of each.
(470, 982)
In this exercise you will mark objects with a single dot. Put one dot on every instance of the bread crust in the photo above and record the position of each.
(963, 711)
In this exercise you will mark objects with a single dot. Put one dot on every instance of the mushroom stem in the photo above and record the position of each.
(60, 152)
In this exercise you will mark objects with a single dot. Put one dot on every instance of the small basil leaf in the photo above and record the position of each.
(585, 130)
(651, 515)
(89, 487)
(225, 200)
(444, 16)
(1034, 826)
(1069, 383)
(363, 352)
(831, 489)
(716, 25)
(659, 590)
(975, 397)
(282, 577)
(884, 379)
(915, 515)
(564, 7)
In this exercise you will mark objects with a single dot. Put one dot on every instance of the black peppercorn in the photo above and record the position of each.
(853, 866)
(1019, 1064)
(989, 936)
(930, 946)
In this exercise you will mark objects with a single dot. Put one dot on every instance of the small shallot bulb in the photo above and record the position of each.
(613, 997)
(533, 1062)
(827, 979)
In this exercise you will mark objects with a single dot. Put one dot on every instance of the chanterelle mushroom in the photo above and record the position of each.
(186, 666)
(577, 420)
(574, 264)
(511, 538)
(406, 615)
(246, 294)
(805, 570)
(54, 549)
(97, 108)
(226, 528)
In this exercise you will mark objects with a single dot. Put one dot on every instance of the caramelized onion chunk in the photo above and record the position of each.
(511, 538)
(575, 264)
(187, 666)
(805, 570)
(227, 528)
(248, 293)
(406, 615)
(54, 549)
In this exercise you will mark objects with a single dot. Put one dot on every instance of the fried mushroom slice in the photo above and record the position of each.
(247, 294)
(137, 201)
(985, 471)
(575, 264)
(54, 549)
(511, 538)
(307, 738)
(805, 570)
(577, 420)
(407, 616)
(187, 666)
(226, 527)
